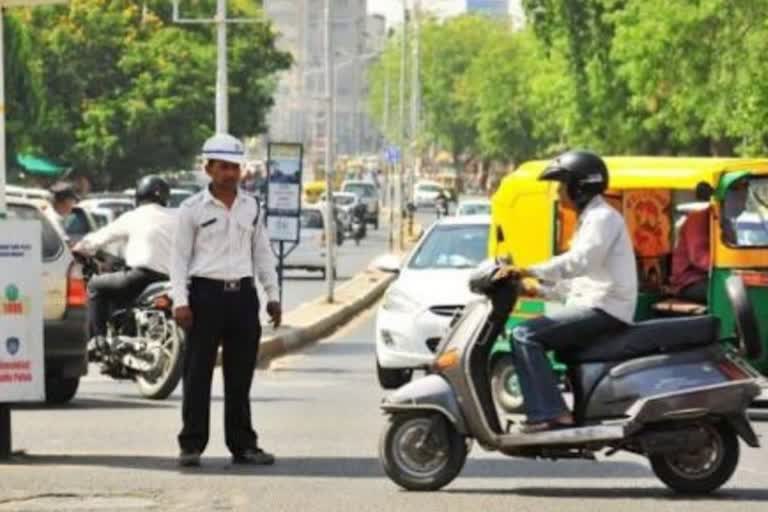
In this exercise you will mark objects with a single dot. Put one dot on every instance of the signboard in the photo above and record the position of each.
(22, 371)
(392, 154)
(284, 177)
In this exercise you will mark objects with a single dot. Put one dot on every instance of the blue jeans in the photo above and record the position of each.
(568, 329)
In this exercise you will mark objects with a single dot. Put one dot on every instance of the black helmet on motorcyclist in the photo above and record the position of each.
(584, 174)
(153, 189)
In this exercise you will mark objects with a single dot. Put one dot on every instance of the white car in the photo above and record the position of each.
(425, 193)
(310, 253)
(368, 193)
(474, 207)
(431, 288)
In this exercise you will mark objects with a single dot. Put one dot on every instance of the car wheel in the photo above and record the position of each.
(393, 378)
(60, 390)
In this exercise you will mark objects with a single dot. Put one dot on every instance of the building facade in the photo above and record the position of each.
(299, 113)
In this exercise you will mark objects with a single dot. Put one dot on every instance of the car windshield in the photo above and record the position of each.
(360, 189)
(745, 213)
(52, 243)
(177, 198)
(452, 247)
(475, 209)
(311, 219)
(344, 200)
(428, 188)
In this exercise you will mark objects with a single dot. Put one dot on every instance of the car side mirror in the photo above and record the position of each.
(389, 263)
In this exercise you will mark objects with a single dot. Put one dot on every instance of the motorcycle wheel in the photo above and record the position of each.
(418, 458)
(704, 470)
(158, 386)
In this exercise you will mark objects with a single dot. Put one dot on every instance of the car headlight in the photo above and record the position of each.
(399, 302)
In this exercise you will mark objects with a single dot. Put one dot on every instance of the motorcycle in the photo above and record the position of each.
(441, 206)
(358, 225)
(147, 346)
(665, 389)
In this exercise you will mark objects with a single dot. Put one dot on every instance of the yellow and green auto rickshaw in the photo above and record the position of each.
(654, 195)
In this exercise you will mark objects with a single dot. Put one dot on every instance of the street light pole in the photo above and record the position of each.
(330, 221)
(221, 21)
(403, 149)
(415, 94)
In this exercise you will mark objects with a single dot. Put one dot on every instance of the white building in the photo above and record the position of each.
(299, 111)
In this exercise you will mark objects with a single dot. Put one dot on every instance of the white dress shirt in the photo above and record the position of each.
(214, 242)
(148, 231)
(599, 270)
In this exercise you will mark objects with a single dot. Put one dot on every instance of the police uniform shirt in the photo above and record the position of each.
(214, 242)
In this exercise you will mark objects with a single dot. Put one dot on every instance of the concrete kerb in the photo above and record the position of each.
(317, 319)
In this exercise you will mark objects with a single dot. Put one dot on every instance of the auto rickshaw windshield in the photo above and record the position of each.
(745, 213)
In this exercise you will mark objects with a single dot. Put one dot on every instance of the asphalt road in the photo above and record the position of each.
(318, 412)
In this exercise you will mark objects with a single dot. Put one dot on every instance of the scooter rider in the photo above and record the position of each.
(597, 277)
(147, 231)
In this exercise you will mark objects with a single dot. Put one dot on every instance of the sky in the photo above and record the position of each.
(391, 9)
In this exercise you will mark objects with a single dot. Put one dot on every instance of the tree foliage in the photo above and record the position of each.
(617, 76)
(128, 92)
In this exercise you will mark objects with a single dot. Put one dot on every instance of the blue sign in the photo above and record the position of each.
(392, 154)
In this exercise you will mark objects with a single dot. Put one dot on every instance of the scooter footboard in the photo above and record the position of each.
(725, 399)
(432, 392)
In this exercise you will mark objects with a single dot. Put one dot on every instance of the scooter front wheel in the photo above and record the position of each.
(705, 469)
(421, 451)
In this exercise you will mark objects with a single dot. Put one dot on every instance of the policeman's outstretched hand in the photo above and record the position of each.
(183, 317)
(275, 313)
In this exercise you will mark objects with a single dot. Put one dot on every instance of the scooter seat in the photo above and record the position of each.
(647, 338)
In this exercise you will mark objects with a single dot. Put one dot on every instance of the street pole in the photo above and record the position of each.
(222, 98)
(2, 119)
(403, 144)
(415, 98)
(330, 222)
(222, 87)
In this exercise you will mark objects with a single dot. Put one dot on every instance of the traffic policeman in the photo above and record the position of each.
(220, 247)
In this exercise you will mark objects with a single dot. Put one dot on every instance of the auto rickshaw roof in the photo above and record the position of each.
(658, 172)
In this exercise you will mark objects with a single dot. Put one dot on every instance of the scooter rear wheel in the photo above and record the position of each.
(704, 470)
(421, 451)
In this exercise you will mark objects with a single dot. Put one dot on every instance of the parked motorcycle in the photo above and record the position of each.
(147, 346)
(666, 389)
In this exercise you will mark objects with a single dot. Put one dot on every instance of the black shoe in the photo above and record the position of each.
(254, 456)
(189, 458)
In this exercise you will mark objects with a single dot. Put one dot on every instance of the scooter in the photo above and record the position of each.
(147, 346)
(665, 389)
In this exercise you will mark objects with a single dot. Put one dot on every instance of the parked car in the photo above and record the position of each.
(63, 309)
(309, 254)
(27, 193)
(474, 207)
(178, 195)
(425, 193)
(118, 204)
(430, 290)
(368, 193)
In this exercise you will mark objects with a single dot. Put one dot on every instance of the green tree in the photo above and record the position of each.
(128, 92)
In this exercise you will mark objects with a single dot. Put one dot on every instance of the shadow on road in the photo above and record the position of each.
(96, 403)
(618, 493)
(338, 467)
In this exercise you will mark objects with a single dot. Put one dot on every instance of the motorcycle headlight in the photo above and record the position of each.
(397, 301)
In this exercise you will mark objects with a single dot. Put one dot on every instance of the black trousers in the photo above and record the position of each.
(115, 290)
(232, 319)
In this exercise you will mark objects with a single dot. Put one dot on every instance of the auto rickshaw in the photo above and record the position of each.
(313, 191)
(654, 195)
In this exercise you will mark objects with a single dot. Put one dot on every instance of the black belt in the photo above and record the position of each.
(232, 285)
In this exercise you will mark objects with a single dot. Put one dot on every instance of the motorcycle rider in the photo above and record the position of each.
(597, 277)
(148, 232)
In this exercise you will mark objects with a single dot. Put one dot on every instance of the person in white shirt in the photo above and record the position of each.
(597, 277)
(147, 232)
(220, 248)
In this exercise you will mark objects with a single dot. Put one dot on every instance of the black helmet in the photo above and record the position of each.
(152, 189)
(584, 174)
